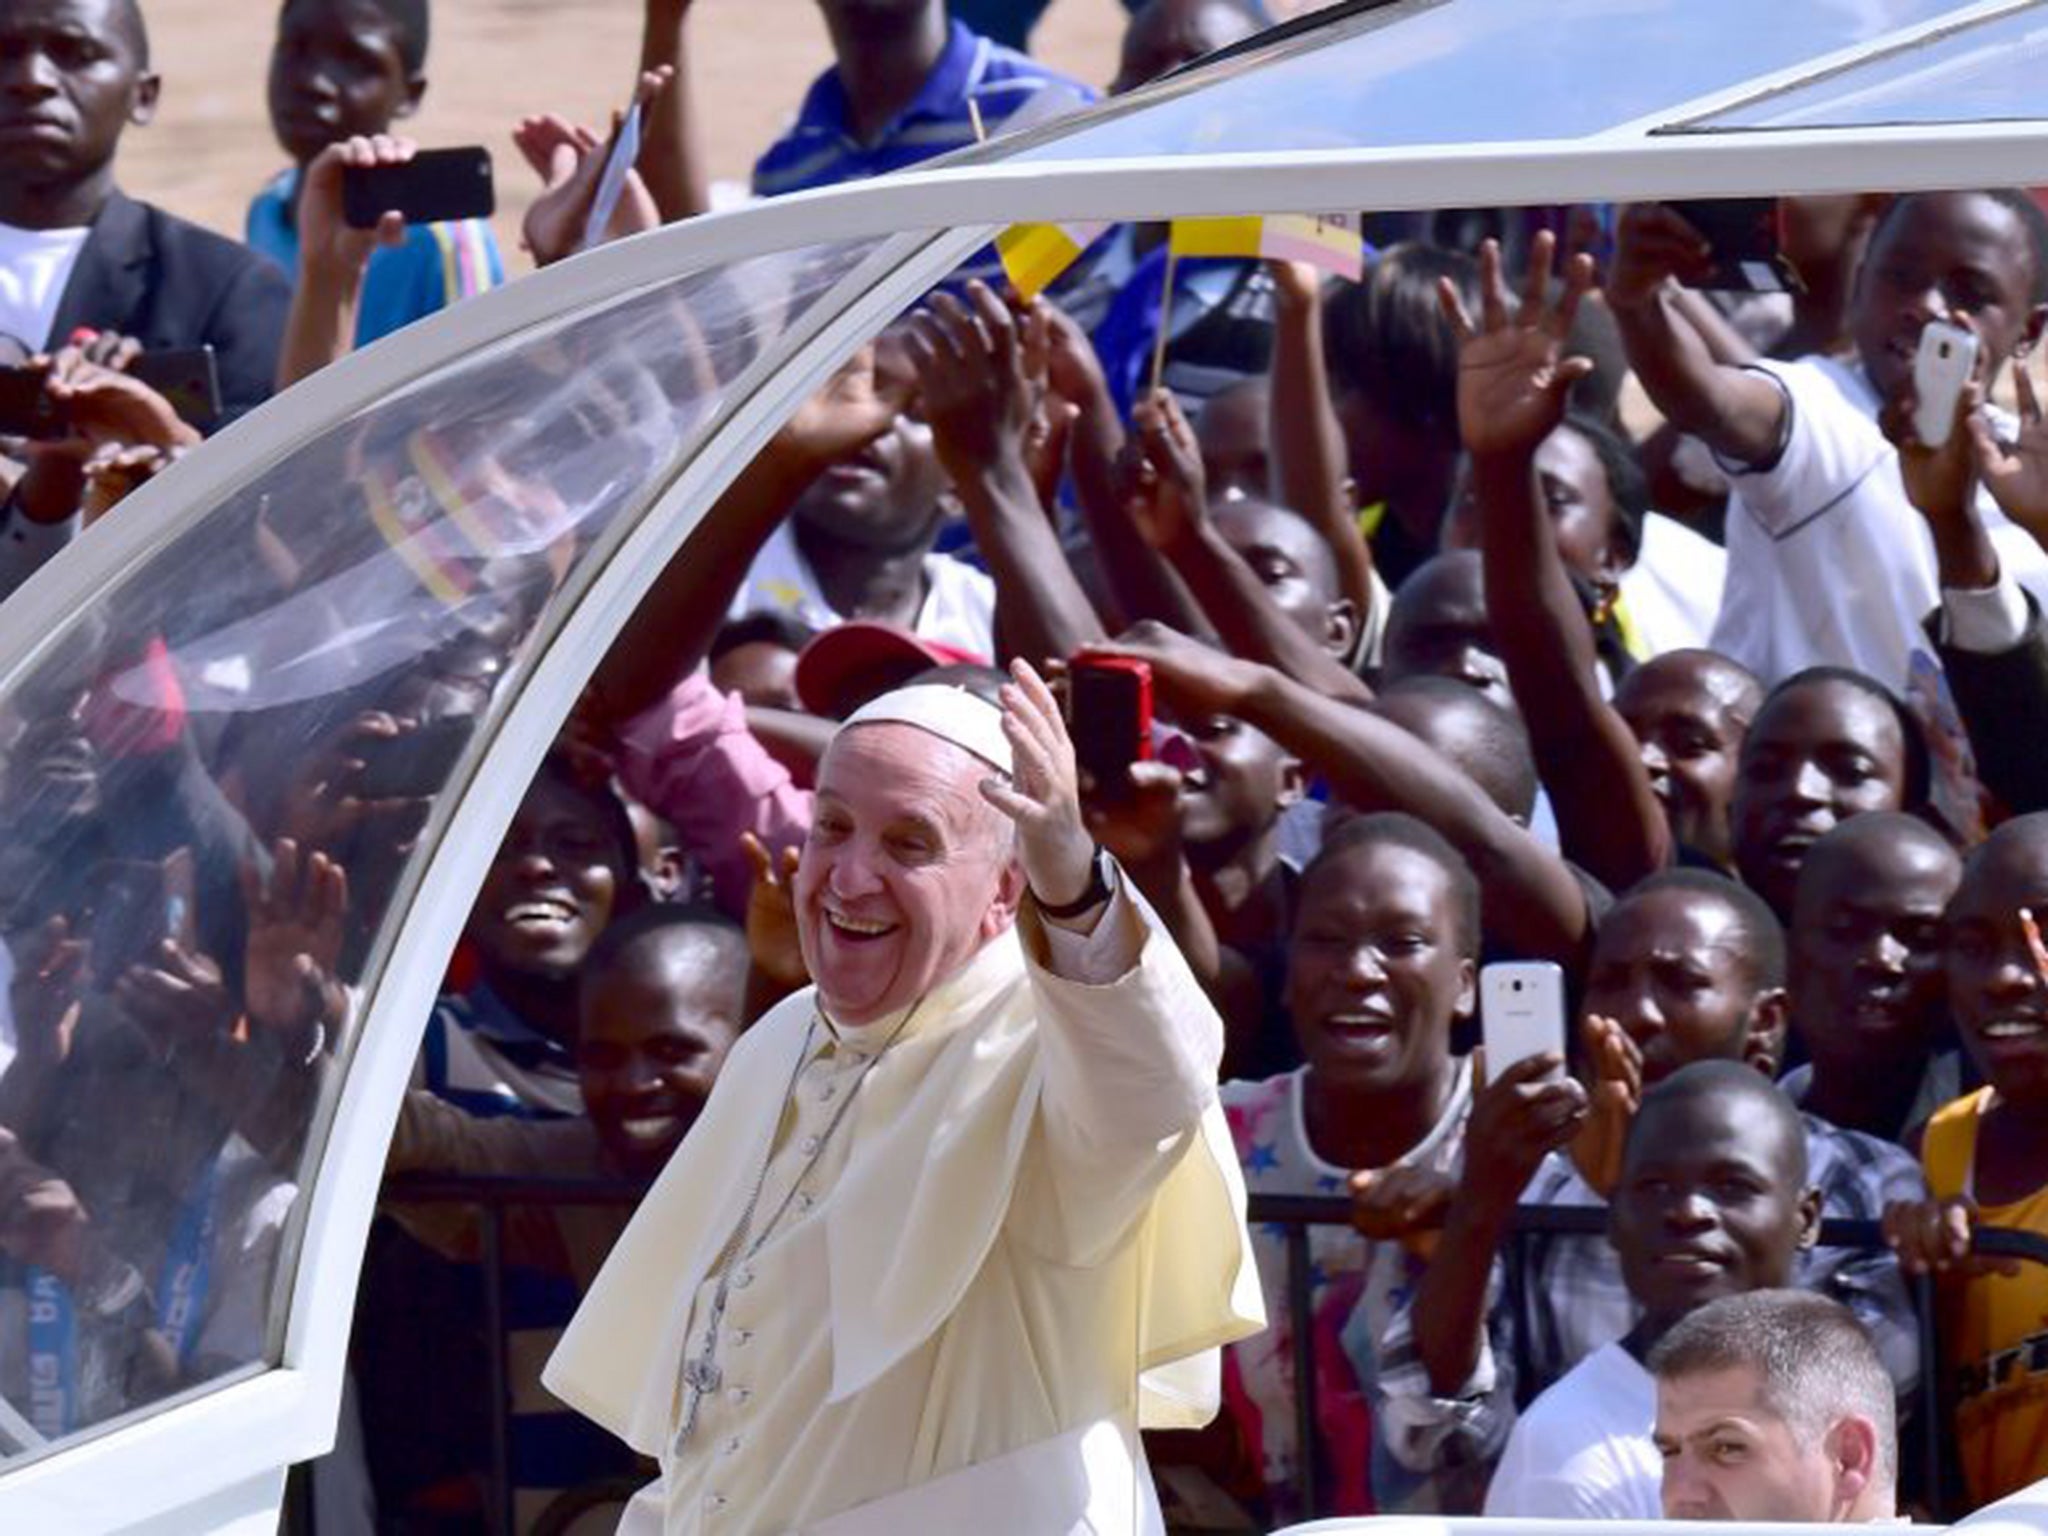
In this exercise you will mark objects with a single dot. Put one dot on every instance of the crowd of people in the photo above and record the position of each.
(1526, 599)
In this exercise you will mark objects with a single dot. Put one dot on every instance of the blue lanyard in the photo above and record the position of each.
(181, 1310)
(52, 1354)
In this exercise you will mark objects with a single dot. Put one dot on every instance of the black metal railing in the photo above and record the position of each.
(490, 1197)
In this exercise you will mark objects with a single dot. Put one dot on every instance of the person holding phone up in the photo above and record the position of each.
(342, 73)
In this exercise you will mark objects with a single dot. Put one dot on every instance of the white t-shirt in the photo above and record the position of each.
(1583, 1450)
(1673, 591)
(959, 605)
(35, 264)
(1828, 562)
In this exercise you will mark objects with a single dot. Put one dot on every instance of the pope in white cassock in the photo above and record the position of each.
(944, 1208)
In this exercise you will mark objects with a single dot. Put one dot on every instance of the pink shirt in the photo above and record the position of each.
(692, 761)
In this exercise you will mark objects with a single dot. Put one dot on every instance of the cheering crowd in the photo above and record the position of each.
(1527, 598)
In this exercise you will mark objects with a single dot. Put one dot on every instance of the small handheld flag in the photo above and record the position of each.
(1329, 242)
(1034, 255)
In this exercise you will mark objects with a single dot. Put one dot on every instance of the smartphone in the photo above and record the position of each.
(433, 186)
(1109, 713)
(136, 905)
(1946, 358)
(187, 377)
(413, 764)
(1521, 1012)
(26, 409)
(1743, 232)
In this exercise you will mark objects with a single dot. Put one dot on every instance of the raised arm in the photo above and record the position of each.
(671, 631)
(333, 257)
(979, 402)
(1134, 578)
(1514, 382)
(1308, 445)
(1738, 414)
(1167, 498)
(1533, 904)
(672, 161)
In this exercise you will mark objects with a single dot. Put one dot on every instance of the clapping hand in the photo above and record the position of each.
(978, 398)
(772, 942)
(1159, 474)
(1617, 1095)
(2016, 473)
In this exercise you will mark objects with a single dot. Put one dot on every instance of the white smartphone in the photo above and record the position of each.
(1941, 367)
(1521, 1012)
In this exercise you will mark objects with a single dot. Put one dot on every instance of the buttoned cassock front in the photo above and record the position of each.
(1032, 1199)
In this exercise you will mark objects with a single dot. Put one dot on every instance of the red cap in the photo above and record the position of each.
(851, 663)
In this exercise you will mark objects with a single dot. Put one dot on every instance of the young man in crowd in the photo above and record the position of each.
(1714, 1200)
(1865, 979)
(1772, 1405)
(74, 76)
(343, 69)
(507, 1044)
(1825, 745)
(1828, 563)
(658, 1003)
(1688, 967)
(81, 262)
(1987, 1165)
(907, 83)
(1690, 712)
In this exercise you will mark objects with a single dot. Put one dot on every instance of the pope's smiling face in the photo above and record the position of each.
(907, 872)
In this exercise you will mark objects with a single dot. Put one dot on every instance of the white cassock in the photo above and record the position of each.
(1033, 1198)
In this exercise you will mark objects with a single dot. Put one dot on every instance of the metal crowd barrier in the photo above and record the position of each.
(491, 1196)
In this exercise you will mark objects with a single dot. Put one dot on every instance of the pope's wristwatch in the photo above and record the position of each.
(1101, 880)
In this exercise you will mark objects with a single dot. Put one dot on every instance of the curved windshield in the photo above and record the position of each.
(213, 786)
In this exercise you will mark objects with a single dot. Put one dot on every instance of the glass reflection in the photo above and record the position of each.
(211, 787)
(1477, 71)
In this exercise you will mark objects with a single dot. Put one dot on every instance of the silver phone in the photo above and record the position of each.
(1521, 1012)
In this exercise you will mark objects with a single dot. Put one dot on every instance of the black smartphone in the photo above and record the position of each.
(1743, 232)
(136, 905)
(413, 764)
(433, 186)
(26, 409)
(1109, 715)
(187, 377)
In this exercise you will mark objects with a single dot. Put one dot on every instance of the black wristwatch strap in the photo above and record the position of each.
(1096, 892)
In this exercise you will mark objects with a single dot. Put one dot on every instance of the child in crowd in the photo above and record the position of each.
(1987, 1165)
(343, 69)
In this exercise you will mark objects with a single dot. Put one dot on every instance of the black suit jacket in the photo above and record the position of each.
(167, 283)
(2003, 699)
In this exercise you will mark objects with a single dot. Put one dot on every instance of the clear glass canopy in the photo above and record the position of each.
(320, 655)
(1480, 71)
(1989, 72)
(304, 669)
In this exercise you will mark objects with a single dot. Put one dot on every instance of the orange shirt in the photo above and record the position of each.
(1994, 1327)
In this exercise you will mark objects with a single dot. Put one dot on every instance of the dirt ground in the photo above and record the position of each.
(493, 61)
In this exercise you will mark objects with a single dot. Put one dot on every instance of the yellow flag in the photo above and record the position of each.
(1034, 255)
